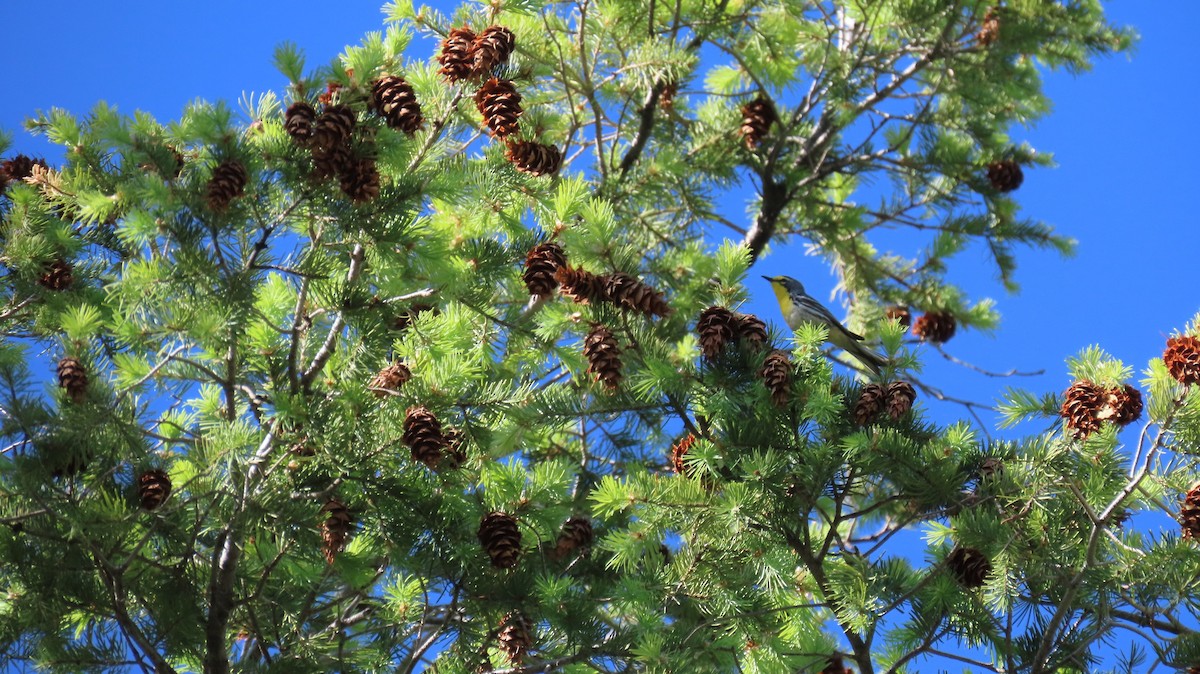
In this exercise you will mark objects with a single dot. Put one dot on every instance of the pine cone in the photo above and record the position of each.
(680, 450)
(501, 539)
(332, 161)
(757, 118)
(835, 665)
(58, 275)
(534, 158)
(298, 122)
(603, 356)
(991, 468)
(153, 488)
(423, 435)
(1083, 404)
(456, 57)
(989, 29)
(576, 534)
(228, 182)
(970, 566)
(717, 326)
(666, 99)
(360, 180)
(900, 397)
(333, 127)
(491, 48)
(869, 404)
(1127, 404)
(336, 529)
(582, 286)
(751, 330)
(899, 313)
(515, 637)
(630, 293)
(16, 169)
(1005, 175)
(935, 326)
(1182, 359)
(394, 99)
(542, 262)
(500, 105)
(776, 374)
(1189, 513)
(390, 379)
(72, 377)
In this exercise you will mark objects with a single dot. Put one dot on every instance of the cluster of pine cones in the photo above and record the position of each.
(466, 56)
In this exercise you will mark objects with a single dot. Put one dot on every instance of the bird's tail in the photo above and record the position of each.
(873, 361)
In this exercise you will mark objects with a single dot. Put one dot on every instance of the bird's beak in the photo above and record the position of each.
(769, 279)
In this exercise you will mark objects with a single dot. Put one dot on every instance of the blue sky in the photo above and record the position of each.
(1119, 134)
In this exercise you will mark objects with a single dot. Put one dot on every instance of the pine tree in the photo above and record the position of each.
(440, 359)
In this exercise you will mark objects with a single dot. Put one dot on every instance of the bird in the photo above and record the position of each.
(799, 307)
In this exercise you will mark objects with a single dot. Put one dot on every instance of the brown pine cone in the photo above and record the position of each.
(1083, 405)
(333, 127)
(835, 665)
(359, 180)
(423, 435)
(991, 468)
(666, 99)
(335, 531)
(899, 313)
(58, 275)
(576, 534)
(630, 293)
(491, 48)
(603, 356)
(534, 158)
(298, 121)
(776, 374)
(869, 404)
(680, 450)
(500, 105)
(582, 286)
(751, 330)
(515, 637)
(73, 378)
(389, 380)
(757, 118)
(1189, 514)
(1182, 359)
(1127, 404)
(228, 182)
(541, 263)
(970, 566)
(331, 161)
(501, 539)
(935, 326)
(16, 169)
(1005, 175)
(154, 486)
(394, 99)
(456, 452)
(717, 326)
(900, 397)
(456, 57)
(989, 28)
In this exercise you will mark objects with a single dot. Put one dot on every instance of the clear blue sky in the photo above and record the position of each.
(1120, 134)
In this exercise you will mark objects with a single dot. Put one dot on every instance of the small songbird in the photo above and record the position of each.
(799, 307)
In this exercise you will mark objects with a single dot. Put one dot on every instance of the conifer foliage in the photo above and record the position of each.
(440, 357)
